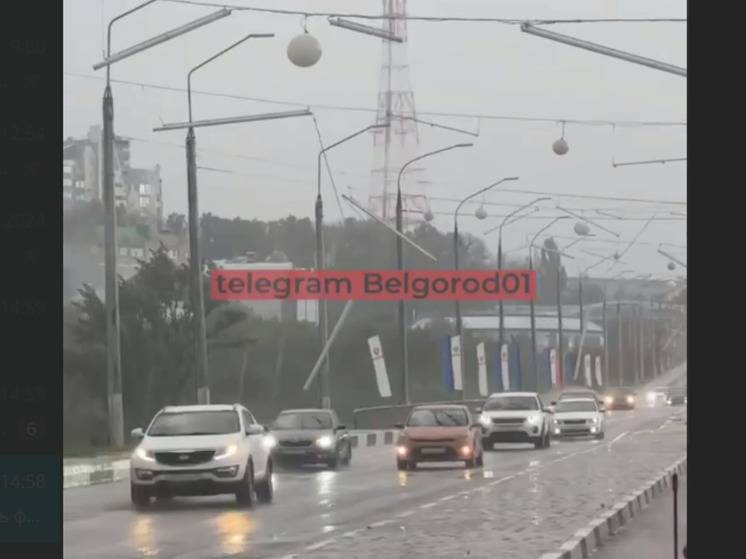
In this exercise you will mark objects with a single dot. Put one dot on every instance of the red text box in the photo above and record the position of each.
(374, 285)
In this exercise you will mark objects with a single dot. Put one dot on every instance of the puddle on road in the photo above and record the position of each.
(234, 529)
(143, 537)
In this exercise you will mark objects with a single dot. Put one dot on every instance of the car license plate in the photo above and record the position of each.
(182, 477)
(294, 451)
(433, 451)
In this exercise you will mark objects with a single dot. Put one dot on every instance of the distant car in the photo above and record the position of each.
(439, 433)
(620, 399)
(573, 393)
(515, 417)
(676, 396)
(657, 396)
(310, 435)
(201, 450)
(582, 416)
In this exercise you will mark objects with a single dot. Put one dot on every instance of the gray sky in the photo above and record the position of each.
(473, 68)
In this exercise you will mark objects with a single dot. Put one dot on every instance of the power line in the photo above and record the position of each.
(348, 108)
(506, 21)
(591, 197)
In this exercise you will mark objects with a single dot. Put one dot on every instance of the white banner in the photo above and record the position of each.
(505, 367)
(599, 378)
(553, 366)
(379, 364)
(482, 363)
(587, 367)
(456, 362)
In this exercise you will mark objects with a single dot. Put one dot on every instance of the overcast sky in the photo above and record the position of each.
(472, 68)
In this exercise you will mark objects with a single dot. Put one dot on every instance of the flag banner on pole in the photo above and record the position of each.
(505, 367)
(456, 362)
(379, 365)
(445, 360)
(599, 377)
(553, 373)
(482, 364)
(587, 367)
(515, 367)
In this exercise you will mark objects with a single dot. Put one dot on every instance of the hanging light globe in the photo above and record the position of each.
(481, 213)
(671, 266)
(428, 215)
(581, 228)
(560, 147)
(304, 50)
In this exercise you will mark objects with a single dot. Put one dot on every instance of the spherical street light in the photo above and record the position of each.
(671, 266)
(481, 213)
(428, 215)
(581, 228)
(304, 50)
(560, 147)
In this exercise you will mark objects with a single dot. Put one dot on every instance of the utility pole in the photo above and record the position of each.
(620, 333)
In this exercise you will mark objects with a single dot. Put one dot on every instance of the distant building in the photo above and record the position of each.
(139, 191)
(301, 311)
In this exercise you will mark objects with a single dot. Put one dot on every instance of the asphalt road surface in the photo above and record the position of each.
(524, 502)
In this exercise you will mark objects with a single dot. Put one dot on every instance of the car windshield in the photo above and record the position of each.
(434, 418)
(570, 406)
(509, 403)
(175, 424)
(303, 420)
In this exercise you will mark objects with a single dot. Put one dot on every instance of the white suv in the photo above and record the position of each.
(202, 450)
(515, 417)
(578, 416)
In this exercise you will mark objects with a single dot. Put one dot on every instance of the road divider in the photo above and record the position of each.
(100, 470)
(585, 541)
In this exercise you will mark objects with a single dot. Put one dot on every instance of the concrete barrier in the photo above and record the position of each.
(100, 470)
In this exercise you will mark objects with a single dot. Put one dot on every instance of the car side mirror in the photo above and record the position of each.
(549, 409)
(476, 425)
(254, 429)
(477, 410)
(399, 425)
(137, 433)
(552, 403)
(341, 427)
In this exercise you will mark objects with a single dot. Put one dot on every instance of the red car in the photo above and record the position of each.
(439, 433)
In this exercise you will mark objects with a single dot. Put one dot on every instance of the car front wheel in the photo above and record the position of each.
(245, 494)
(265, 489)
(139, 496)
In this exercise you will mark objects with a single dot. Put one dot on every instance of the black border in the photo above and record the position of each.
(31, 218)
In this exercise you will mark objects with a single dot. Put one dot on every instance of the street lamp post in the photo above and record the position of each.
(195, 260)
(531, 302)
(400, 267)
(505, 220)
(113, 357)
(456, 244)
(326, 392)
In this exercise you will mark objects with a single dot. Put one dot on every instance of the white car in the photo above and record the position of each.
(581, 416)
(515, 417)
(202, 450)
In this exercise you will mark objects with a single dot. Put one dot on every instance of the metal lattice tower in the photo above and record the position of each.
(397, 144)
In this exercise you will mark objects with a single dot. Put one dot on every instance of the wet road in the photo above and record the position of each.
(370, 509)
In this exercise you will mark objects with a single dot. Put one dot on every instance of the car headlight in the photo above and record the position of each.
(270, 441)
(325, 442)
(608, 400)
(533, 419)
(651, 396)
(484, 420)
(630, 399)
(401, 450)
(229, 450)
(594, 420)
(148, 455)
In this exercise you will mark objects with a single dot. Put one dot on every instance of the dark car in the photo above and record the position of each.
(439, 433)
(310, 436)
(620, 399)
(676, 396)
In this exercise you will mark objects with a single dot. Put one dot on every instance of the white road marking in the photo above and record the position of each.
(380, 523)
(405, 514)
(320, 544)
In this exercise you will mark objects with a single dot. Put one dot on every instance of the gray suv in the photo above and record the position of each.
(310, 436)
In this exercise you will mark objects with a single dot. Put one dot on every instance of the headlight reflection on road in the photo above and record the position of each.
(142, 536)
(325, 481)
(402, 479)
(234, 529)
(467, 474)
